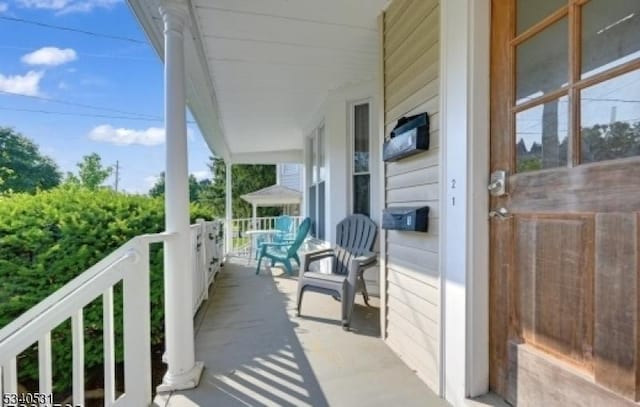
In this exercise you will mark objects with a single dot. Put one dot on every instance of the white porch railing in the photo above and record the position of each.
(130, 265)
(241, 242)
(207, 251)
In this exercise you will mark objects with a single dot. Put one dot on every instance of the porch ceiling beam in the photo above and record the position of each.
(269, 157)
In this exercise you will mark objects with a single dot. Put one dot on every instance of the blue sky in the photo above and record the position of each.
(88, 70)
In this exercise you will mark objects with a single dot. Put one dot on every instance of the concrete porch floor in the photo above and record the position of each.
(258, 353)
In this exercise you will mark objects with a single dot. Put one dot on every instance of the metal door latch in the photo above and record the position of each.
(500, 213)
(498, 183)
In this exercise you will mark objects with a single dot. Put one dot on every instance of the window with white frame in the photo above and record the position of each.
(317, 186)
(361, 159)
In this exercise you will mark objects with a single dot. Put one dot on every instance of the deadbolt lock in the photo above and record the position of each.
(498, 183)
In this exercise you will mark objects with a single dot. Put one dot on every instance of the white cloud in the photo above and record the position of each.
(69, 6)
(150, 181)
(200, 175)
(4, 7)
(50, 56)
(121, 136)
(28, 84)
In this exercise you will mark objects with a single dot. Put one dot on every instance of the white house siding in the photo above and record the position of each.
(290, 176)
(411, 60)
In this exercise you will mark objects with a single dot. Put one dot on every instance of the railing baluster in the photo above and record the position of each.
(77, 340)
(9, 377)
(109, 348)
(44, 365)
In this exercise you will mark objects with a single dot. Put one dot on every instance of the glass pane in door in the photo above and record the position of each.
(610, 119)
(541, 136)
(542, 62)
(610, 34)
(530, 12)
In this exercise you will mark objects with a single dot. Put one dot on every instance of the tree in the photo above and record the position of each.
(195, 187)
(22, 167)
(610, 141)
(246, 178)
(91, 172)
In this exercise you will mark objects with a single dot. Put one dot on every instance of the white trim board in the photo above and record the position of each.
(269, 157)
(465, 45)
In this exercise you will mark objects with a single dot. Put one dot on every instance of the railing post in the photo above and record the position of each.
(183, 372)
(137, 328)
(228, 202)
(205, 257)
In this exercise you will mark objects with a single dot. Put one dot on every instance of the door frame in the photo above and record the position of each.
(464, 230)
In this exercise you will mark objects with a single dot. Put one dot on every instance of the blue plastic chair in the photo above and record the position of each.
(284, 252)
(283, 227)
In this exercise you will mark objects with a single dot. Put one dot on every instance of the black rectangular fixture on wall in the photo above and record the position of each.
(411, 218)
(409, 137)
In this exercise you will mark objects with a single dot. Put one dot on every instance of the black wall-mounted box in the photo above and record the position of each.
(409, 137)
(406, 218)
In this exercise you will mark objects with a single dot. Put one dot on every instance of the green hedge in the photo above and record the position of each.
(49, 238)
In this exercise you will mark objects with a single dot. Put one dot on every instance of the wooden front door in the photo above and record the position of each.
(565, 271)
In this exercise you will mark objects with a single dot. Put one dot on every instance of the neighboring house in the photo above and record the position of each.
(529, 289)
(289, 175)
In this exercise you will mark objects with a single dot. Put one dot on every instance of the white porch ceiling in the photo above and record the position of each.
(271, 63)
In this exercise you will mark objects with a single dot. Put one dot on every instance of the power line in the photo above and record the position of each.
(69, 103)
(106, 116)
(610, 100)
(71, 29)
(114, 56)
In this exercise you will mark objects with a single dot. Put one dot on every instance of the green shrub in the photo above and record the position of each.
(49, 238)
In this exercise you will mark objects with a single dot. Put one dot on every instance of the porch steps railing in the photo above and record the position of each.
(130, 265)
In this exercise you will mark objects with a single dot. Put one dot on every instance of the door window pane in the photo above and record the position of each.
(361, 138)
(541, 136)
(530, 12)
(610, 119)
(361, 191)
(610, 34)
(542, 62)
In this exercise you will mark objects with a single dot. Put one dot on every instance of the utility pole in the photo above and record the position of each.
(117, 174)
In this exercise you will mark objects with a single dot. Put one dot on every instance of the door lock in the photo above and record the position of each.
(498, 183)
(500, 213)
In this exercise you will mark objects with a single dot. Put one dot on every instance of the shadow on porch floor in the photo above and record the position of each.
(257, 352)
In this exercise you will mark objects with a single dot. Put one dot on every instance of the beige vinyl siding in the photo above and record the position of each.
(411, 67)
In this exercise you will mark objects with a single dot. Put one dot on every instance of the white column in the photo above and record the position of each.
(228, 207)
(254, 215)
(183, 372)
